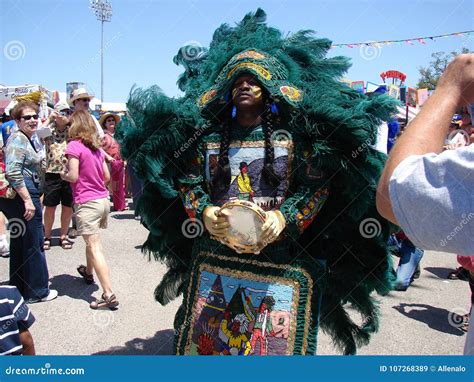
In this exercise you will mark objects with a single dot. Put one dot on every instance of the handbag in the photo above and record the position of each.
(6, 191)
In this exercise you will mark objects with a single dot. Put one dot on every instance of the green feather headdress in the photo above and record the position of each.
(337, 122)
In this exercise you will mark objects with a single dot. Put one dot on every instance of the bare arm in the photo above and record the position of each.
(108, 158)
(26, 340)
(427, 132)
(106, 173)
(72, 172)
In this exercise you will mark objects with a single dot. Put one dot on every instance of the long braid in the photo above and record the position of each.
(222, 175)
(268, 171)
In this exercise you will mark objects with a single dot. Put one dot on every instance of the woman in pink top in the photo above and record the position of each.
(88, 174)
(117, 166)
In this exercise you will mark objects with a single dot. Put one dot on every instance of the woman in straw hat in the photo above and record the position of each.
(117, 166)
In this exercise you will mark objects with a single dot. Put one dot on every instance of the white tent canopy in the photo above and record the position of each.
(412, 112)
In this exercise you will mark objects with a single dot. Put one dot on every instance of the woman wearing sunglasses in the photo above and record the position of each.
(24, 168)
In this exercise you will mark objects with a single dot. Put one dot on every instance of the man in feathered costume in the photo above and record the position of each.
(264, 120)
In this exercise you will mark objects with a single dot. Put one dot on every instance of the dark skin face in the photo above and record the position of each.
(247, 98)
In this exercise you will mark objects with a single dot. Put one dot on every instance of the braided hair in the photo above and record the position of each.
(222, 175)
(269, 174)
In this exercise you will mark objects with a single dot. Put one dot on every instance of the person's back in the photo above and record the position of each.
(90, 183)
(88, 173)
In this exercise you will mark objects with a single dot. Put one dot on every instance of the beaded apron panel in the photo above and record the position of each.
(245, 307)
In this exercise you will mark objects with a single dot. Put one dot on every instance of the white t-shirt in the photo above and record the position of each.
(99, 128)
(433, 200)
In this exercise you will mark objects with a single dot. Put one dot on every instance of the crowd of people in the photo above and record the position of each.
(64, 160)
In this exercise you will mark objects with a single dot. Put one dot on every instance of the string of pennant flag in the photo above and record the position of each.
(408, 41)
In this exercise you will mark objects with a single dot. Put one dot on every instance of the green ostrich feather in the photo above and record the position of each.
(341, 125)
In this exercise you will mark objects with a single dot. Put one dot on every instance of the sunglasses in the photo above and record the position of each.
(83, 99)
(65, 113)
(28, 117)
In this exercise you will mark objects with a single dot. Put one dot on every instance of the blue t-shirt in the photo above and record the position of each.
(15, 316)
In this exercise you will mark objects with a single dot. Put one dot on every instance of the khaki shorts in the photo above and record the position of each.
(91, 216)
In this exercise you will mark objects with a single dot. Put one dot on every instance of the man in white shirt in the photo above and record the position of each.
(80, 100)
(426, 191)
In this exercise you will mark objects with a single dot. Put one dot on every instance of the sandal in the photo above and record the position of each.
(465, 323)
(89, 279)
(105, 302)
(47, 244)
(65, 243)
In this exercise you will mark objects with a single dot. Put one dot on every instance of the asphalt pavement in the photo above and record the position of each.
(421, 320)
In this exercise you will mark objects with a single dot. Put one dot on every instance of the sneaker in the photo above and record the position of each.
(400, 287)
(53, 293)
(417, 273)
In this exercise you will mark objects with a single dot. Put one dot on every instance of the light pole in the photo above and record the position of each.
(103, 12)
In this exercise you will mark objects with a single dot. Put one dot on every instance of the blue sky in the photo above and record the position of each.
(59, 40)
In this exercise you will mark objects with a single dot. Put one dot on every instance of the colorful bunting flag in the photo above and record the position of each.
(421, 40)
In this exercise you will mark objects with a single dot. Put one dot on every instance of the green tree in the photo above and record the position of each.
(429, 75)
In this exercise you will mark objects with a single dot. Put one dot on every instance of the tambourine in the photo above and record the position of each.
(246, 220)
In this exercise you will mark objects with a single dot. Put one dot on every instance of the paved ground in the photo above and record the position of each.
(413, 322)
